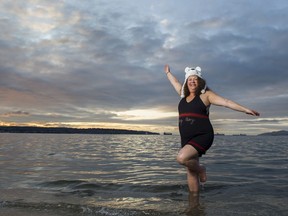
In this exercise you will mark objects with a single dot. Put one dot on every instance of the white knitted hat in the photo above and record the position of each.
(190, 72)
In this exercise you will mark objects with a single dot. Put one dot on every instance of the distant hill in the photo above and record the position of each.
(62, 130)
(275, 133)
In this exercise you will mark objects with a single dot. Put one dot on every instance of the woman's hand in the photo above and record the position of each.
(252, 112)
(166, 69)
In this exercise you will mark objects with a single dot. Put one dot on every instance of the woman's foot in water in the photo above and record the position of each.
(202, 174)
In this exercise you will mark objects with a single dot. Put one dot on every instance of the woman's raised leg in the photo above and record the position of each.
(188, 156)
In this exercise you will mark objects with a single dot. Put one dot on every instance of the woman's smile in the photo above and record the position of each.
(193, 82)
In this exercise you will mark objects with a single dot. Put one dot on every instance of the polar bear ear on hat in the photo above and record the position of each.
(198, 69)
(187, 69)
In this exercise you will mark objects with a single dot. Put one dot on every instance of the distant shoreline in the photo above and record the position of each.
(63, 130)
(275, 133)
(66, 130)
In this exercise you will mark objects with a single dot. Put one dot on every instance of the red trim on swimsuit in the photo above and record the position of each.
(196, 144)
(192, 115)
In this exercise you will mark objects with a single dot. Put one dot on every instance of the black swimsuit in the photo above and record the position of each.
(194, 125)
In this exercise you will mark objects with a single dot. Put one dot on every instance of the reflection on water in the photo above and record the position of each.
(136, 174)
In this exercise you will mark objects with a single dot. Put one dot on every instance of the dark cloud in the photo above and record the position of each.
(15, 113)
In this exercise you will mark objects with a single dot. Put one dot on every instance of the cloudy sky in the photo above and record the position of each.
(99, 63)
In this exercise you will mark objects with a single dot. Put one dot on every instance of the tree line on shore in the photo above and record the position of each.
(64, 130)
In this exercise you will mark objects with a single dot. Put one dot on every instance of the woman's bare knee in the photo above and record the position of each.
(186, 153)
(181, 159)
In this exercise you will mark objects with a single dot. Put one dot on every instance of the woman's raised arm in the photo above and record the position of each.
(220, 101)
(175, 83)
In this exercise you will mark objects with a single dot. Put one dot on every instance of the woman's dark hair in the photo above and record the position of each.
(201, 86)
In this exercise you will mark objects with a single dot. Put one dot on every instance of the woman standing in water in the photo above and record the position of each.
(195, 128)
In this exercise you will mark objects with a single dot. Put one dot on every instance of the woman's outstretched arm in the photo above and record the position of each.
(220, 101)
(175, 83)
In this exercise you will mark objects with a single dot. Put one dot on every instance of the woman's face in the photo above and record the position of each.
(192, 83)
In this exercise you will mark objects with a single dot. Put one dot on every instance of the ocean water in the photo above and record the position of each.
(69, 174)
